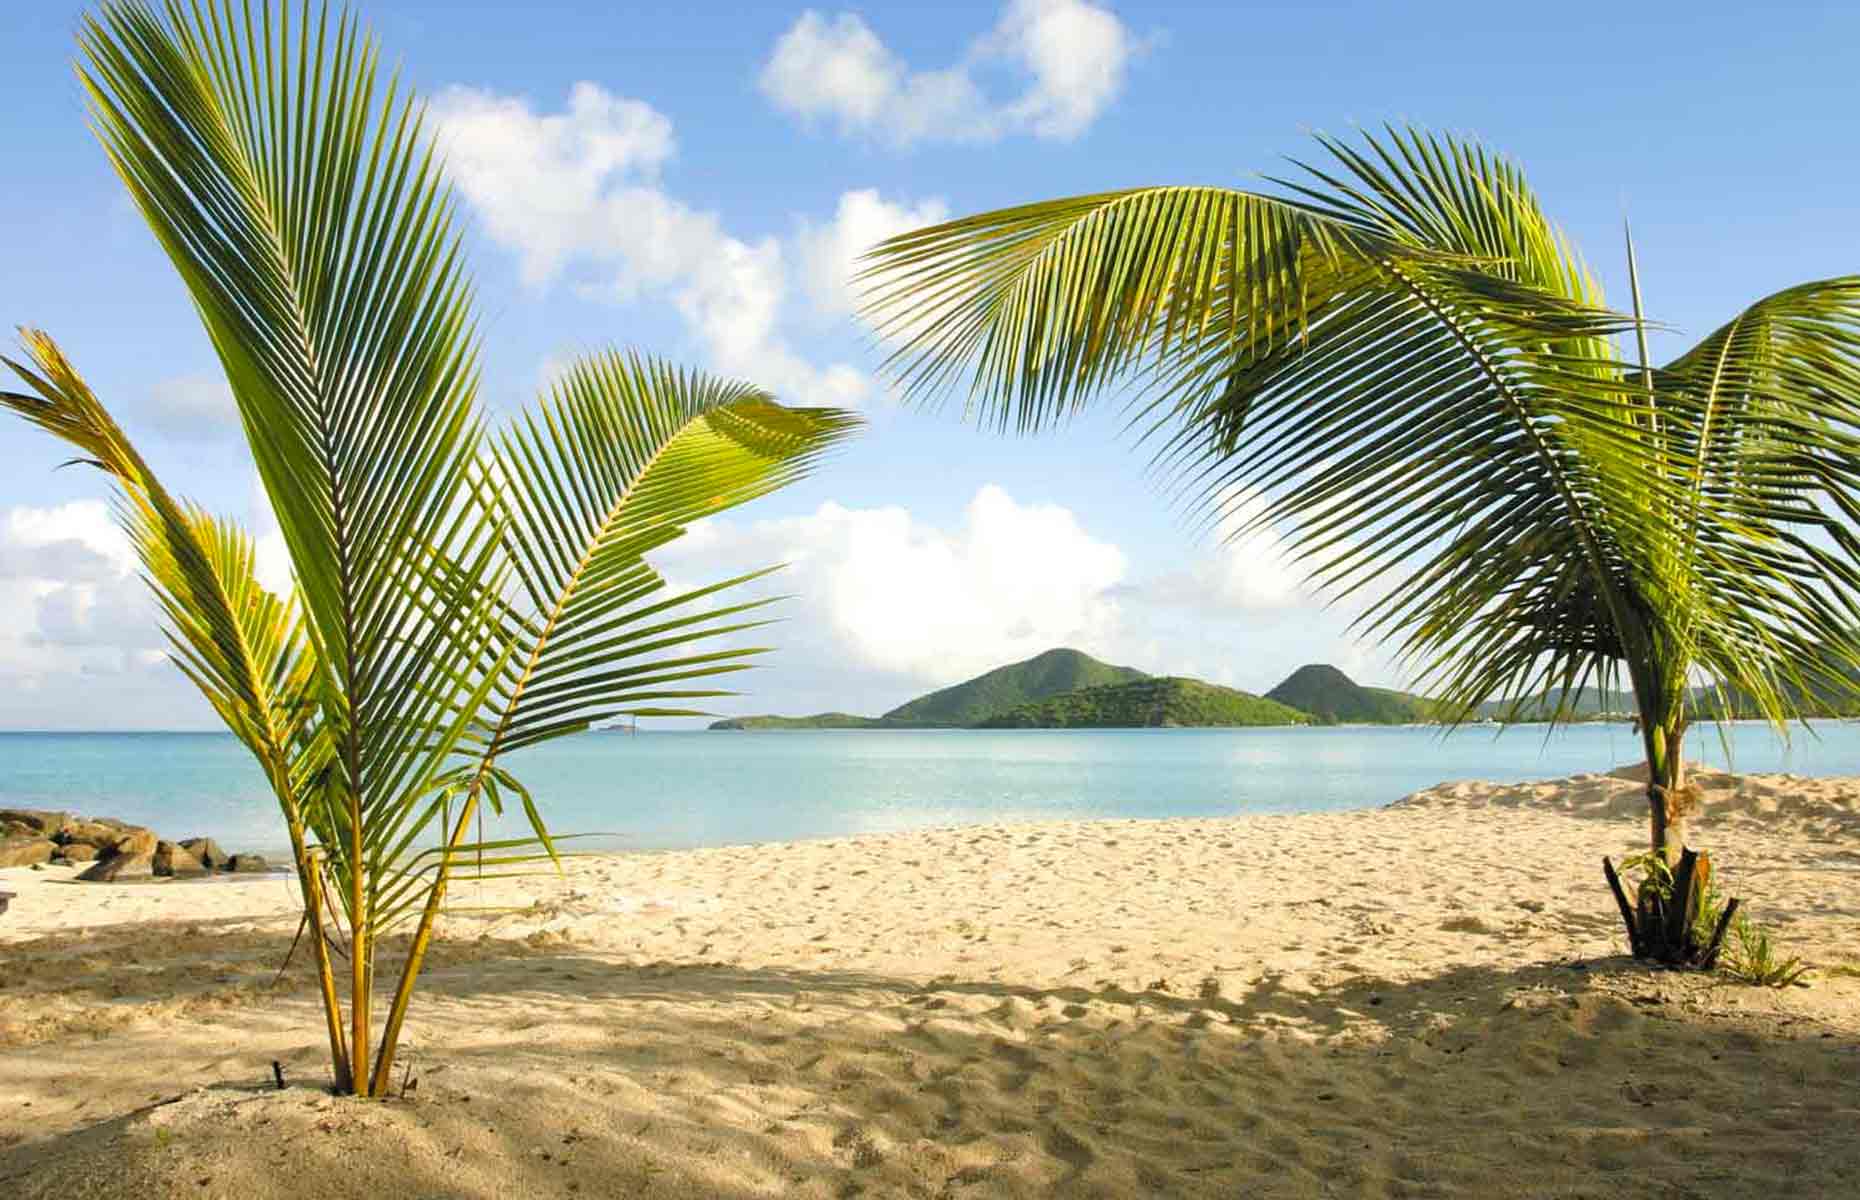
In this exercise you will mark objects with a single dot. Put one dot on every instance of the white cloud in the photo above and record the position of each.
(1072, 54)
(1077, 53)
(579, 191)
(830, 252)
(930, 605)
(881, 605)
(837, 66)
(271, 558)
(82, 530)
(79, 643)
(536, 180)
(1249, 570)
(193, 406)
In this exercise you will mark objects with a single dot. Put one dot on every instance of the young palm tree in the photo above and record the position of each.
(458, 596)
(1410, 364)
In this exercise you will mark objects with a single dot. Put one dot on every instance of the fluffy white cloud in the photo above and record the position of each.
(881, 605)
(930, 605)
(79, 644)
(1077, 53)
(839, 68)
(546, 185)
(271, 558)
(830, 251)
(193, 406)
(1073, 55)
(79, 539)
(1248, 571)
(580, 189)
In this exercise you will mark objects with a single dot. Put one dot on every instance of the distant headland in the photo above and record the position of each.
(1068, 689)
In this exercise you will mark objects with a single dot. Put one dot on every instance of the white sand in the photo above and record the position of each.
(1426, 1000)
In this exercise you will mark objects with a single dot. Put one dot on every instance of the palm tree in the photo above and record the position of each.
(1398, 360)
(459, 596)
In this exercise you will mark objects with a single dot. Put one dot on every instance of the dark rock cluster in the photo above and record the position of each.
(115, 850)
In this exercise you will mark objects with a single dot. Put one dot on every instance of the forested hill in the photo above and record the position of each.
(1333, 698)
(974, 701)
(829, 720)
(1066, 689)
(1147, 703)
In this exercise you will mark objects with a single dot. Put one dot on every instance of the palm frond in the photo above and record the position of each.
(1043, 306)
(303, 207)
(1400, 363)
(622, 455)
(1762, 424)
(242, 646)
(309, 221)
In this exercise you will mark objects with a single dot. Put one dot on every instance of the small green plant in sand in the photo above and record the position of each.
(1722, 936)
(1653, 884)
(1751, 958)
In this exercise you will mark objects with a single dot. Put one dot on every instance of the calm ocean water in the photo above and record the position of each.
(697, 788)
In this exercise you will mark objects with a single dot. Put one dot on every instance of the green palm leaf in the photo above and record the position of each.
(615, 462)
(1404, 320)
(243, 647)
(1764, 430)
(310, 223)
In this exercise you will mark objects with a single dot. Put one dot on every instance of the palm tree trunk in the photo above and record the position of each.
(311, 879)
(309, 882)
(382, 1077)
(361, 950)
(1667, 807)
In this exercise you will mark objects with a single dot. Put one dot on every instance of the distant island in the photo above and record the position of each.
(830, 720)
(1068, 689)
(1330, 697)
(1042, 677)
(1167, 702)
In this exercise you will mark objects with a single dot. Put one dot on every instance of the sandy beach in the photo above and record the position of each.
(1429, 999)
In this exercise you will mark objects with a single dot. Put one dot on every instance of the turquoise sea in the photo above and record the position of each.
(656, 790)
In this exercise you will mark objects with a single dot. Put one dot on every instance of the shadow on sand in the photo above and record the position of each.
(545, 1070)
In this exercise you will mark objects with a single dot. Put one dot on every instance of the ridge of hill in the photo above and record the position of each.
(826, 720)
(1065, 688)
(1156, 702)
(1333, 698)
(975, 700)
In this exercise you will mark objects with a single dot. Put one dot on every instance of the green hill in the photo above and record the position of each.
(1333, 698)
(1146, 703)
(1065, 688)
(831, 720)
(1582, 704)
(1418, 708)
(1049, 674)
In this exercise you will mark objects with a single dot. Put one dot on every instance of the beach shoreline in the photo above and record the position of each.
(1278, 1004)
(685, 790)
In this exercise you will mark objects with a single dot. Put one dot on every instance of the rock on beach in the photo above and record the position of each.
(111, 850)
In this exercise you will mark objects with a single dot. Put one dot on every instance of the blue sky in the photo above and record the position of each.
(688, 179)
